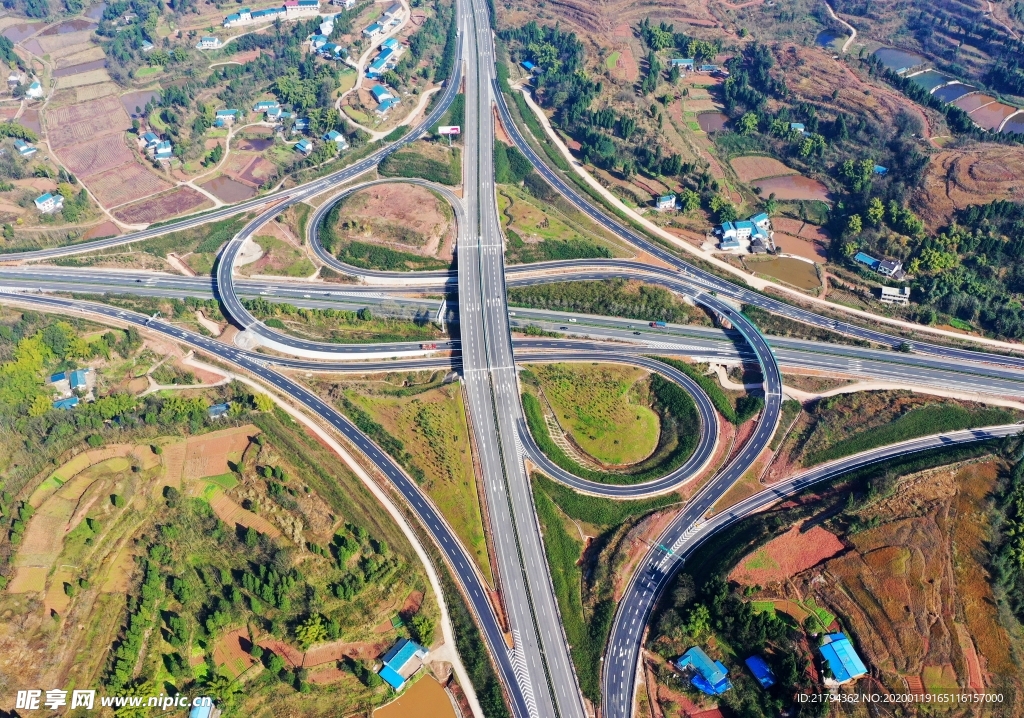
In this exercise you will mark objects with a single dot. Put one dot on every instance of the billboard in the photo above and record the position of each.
(449, 130)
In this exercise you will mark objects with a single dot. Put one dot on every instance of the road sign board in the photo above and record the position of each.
(449, 130)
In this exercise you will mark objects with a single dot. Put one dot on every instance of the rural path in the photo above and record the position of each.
(749, 278)
(851, 28)
(805, 396)
(992, 14)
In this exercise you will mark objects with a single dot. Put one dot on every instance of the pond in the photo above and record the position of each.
(84, 67)
(425, 699)
(131, 100)
(990, 117)
(17, 33)
(793, 187)
(797, 272)
(95, 12)
(712, 121)
(970, 103)
(949, 93)
(1015, 123)
(253, 145)
(70, 26)
(828, 38)
(898, 60)
(930, 79)
(228, 190)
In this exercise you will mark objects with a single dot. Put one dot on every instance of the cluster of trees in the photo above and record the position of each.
(608, 297)
(141, 616)
(510, 165)
(1008, 552)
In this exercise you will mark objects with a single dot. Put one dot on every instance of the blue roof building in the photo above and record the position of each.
(218, 410)
(710, 677)
(729, 243)
(374, 29)
(24, 148)
(58, 377)
(66, 404)
(390, 44)
(317, 41)
(337, 138)
(709, 68)
(378, 66)
(304, 146)
(528, 66)
(202, 711)
(264, 105)
(761, 670)
(879, 170)
(760, 219)
(842, 659)
(381, 93)
(798, 127)
(866, 259)
(227, 113)
(163, 151)
(684, 62)
(151, 139)
(301, 124)
(77, 379)
(387, 105)
(666, 201)
(398, 659)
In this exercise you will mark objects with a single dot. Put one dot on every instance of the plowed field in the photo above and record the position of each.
(181, 200)
(97, 156)
(753, 168)
(126, 184)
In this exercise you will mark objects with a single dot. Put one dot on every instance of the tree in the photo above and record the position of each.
(748, 123)
(423, 629)
(251, 537)
(312, 630)
(698, 622)
(854, 225)
(689, 201)
(876, 212)
(262, 402)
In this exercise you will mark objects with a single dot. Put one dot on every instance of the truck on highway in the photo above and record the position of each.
(658, 324)
(428, 345)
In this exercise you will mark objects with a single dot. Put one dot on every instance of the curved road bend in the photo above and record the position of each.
(709, 282)
(462, 566)
(689, 530)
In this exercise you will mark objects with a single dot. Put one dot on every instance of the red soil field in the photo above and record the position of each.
(257, 172)
(228, 654)
(105, 106)
(183, 199)
(787, 555)
(97, 156)
(126, 183)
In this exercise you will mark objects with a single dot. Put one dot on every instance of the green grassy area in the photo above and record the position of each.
(430, 161)
(148, 71)
(285, 259)
(676, 443)
(373, 256)
(603, 407)
(608, 297)
(612, 60)
(225, 481)
(358, 115)
(922, 421)
(435, 445)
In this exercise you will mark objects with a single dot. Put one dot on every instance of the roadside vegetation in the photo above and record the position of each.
(608, 297)
(584, 574)
(427, 160)
(846, 424)
(736, 409)
(342, 326)
(421, 422)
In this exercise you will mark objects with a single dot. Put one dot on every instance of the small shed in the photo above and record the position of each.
(761, 671)
(218, 410)
(66, 404)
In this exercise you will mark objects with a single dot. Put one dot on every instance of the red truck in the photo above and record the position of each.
(428, 346)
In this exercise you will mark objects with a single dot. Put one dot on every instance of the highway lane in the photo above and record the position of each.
(528, 602)
(690, 529)
(473, 586)
(706, 281)
(796, 353)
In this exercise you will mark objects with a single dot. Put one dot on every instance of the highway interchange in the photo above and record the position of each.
(537, 673)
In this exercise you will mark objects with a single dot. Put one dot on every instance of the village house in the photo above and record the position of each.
(208, 42)
(34, 91)
(337, 138)
(49, 203)
(891, 295)
(304, 146)
(665, 202)
(24, 148)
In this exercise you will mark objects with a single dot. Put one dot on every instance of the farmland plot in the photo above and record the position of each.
(125, 184)
(91, 158)
(179, 201)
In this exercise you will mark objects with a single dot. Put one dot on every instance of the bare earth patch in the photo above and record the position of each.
(787, 555)
(755, 167)
(405, 217)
